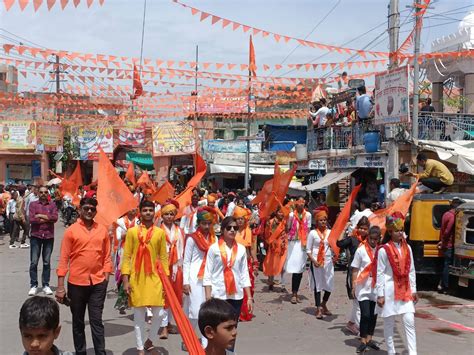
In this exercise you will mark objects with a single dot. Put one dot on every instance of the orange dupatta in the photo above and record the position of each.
(364, 274)
(203, 244)
(229, 279)
(322, 236)
(246, 238)
(143, 253)
(302, 227)
(400, 263)
(173, 253)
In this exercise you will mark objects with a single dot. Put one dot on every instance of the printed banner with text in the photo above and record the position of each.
(18, 135)
(173, 138)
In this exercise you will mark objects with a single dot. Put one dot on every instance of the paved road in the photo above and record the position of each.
(445, 324)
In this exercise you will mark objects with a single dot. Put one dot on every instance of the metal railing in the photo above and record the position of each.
(445, 127)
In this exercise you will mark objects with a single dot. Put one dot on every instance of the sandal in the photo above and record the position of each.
(163, 333)
(319, 313)
(148, 346)
(294, 299)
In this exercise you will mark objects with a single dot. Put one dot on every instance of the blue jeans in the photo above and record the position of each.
(448, 260)
(36, 244)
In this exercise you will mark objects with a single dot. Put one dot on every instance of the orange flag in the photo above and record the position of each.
(113, 196)
(252, 65)
(130, 175)
(184, 325)
(184, 199)
(264, 194)
(70, 185)
(200, 168)
(165, 192)
(341, 221)
(137, 84)
(401, 204)
(145, 182)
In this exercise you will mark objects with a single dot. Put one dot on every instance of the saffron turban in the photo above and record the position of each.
(321, 212)
(395, 221)
(240, 212)
(211, 198)
(170, 206)
(205, 214)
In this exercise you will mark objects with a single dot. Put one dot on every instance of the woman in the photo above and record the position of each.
(277, 241)
(322, 267)
(226, 275)
(245, 237)
(363, 288)
(396, 283)
(351, 243)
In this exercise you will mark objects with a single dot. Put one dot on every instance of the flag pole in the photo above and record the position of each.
(247, 151)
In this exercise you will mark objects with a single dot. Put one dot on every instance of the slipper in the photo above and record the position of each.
(294, 300)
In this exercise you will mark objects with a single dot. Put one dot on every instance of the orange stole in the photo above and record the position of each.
(173, 259)
(277, 247)
(400, 263)
(203, 244)
(321, 251)
(229, 280)
(364, 275)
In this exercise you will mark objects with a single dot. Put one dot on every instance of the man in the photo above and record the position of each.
(188, 222)
(19, 221)
(10, 212)
(446, 242)
(231, 206)
(320, 116)
(43, 214)
(436, 176)
(85, 256)
(145, 246)
(427, 107)
(363, 104)
(395, 191)
(32, 196)
(4, 197)
(364, 210)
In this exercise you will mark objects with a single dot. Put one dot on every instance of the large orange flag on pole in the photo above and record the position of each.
(200, 168)
(280, 185)
(145, 182)
(164, 192)
(341, 221)
(70, 185)
(114, 199)
(252, 65)
(130, 174)
(137, 84)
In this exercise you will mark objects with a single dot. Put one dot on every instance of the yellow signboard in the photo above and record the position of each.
(173, 138)
(18, 135)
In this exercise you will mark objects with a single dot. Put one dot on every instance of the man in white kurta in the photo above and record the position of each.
(189, 222)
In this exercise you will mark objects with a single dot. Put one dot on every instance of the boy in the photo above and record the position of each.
(39, 326)
(218, 323)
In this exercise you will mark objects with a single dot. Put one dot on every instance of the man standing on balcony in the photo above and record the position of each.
(363, 104)
(436, 176)
(320, 116)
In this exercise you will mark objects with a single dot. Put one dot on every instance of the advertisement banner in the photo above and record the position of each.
(222, 146)
(49, 137)
(87, 141)
(18, 135)
(132, 134)
(173, 138)
(391, 97)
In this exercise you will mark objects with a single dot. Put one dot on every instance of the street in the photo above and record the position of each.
(445, 324)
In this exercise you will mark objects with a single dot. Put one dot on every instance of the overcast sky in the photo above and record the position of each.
(171, 31)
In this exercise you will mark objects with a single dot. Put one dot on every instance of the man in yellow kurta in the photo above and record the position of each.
(145, 245)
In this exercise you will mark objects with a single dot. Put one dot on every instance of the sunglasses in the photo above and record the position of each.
(91, 209)
(231, 228)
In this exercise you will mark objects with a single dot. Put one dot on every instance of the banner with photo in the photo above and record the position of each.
(18, 135)
(87, 140)
(391, 97)
(49, 137)
(173, 138)
(131, 134)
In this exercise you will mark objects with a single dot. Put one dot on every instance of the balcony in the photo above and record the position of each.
(445, 127)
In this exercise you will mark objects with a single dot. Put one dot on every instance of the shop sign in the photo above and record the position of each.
(173, 138)
(221, 146)
(20, 172)
(317, 164)
(17, 135)
(132, 134)
(49, 138)
(88, 140)
(361, 161)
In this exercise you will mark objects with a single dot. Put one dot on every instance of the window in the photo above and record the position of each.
(239, 133)
(239, 120)
(3, 76)
(219, 133)
(470, 230)
(438, 211)
(218, 119)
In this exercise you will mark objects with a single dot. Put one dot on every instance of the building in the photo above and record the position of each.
(8, 78)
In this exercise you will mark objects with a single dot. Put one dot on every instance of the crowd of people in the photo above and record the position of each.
(213, 249)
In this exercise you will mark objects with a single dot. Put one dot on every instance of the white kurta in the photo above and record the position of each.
(321, 278)
(214, 273)
(189, 221)
(193, 257)
(120, 233)
(385, 286)
(175, 234)
(296, 256)
(363, 290)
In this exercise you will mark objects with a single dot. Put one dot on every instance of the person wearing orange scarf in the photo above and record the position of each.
(276, 238)
(145, 245)
(350, 243)
(245, 237)
(322, 267)
(194, 263)
(188, 222)
(227, 275)
(363, 290)
(396, 283)
(299, 226)
(175, 249)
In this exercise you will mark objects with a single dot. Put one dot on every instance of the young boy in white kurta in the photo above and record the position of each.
(299, 225)
(396, 292)
(322, 267)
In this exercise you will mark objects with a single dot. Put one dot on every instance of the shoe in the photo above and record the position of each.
(326, 311)
(319, 313)
(371, 344)
(24, 246)
(163, 333)
(184, 348)
(361, 348)
(47, 290)
(294, 299)
(13, 246)
(148, 346)
(33, 291)
(271, 288)
(440, 191)
(352, 328)
(173, 329)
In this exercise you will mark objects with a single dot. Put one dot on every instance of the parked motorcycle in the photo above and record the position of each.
(69, 213)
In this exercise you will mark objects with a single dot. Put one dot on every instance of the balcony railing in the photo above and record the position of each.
(445, 127)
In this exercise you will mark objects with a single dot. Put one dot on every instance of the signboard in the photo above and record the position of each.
(89, 139)
(317, 164)
(391, 97)
(20, 172)
(238, 146)
(361, 161)
(17, 135)
(173, 138)
(132, 134)
(49, 137)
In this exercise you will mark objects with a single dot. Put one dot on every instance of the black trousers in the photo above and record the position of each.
(433, 183)
(368, 319)
(93, 297)
(296, 282)
(237, 305)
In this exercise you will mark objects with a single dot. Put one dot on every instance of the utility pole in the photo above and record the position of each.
(247, 151)
(416, 70)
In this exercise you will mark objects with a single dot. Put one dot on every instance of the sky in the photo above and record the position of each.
(172, 33)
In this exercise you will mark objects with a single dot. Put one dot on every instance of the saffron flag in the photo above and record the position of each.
(130, 175)
(200, 168)
(70, 185)
(264, 194)
(184, 199)
(145, 182)
(114, 199)
(401, 204)
(137, 84)
(341, 221)
(164, 192)
(184, 325)
(252, 65)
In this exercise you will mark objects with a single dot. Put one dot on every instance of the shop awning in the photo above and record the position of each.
(143, 160)
(459, 153)
(240, 169)
(328, 179)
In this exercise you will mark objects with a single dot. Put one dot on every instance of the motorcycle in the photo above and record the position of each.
(69, 213)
